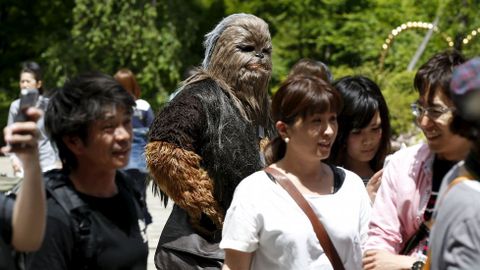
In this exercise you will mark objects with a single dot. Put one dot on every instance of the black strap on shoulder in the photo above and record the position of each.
(66, 198)
(61, 190)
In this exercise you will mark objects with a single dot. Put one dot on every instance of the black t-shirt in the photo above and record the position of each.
(119, 209)
(118, 230)
(6, 212)
(6, 209)
(440, 169)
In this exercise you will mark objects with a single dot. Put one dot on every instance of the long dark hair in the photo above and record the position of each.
(299, 97)
(362, 99)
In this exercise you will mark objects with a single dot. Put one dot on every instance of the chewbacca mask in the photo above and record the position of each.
(207, 139)
(238, 55)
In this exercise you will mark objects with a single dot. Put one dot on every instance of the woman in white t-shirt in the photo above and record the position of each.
(264, 228)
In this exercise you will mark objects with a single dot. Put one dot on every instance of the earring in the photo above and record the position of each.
(287, 140)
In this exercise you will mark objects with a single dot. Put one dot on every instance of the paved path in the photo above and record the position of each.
(159, 214)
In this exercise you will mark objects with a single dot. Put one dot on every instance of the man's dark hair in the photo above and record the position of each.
(75, 106)
(436, 74)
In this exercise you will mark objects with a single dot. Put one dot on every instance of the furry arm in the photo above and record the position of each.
(173, 160)
(177, 172)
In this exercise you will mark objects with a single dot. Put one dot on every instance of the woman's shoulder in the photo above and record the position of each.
(256, 183)
(253, 190)
(256, 178)
(15, 104)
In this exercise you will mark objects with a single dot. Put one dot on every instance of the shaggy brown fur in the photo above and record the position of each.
(236, 66)
(177, 172)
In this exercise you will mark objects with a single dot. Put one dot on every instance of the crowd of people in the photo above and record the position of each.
(305, 179)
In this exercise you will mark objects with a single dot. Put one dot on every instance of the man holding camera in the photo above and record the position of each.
(95, 214)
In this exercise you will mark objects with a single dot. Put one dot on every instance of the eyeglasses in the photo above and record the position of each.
(431, 112)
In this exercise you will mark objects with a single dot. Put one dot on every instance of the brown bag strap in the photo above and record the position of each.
(322, 235)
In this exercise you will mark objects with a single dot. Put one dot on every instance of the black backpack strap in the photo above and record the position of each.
(61, 190)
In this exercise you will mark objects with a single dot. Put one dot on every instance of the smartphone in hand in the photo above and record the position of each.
(28, 98)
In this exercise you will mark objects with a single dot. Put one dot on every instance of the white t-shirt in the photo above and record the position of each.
(264, 219)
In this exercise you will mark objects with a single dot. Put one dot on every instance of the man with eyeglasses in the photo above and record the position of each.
(456, 232)
(399, 227)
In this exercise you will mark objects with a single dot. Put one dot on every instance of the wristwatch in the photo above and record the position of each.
(418, 265)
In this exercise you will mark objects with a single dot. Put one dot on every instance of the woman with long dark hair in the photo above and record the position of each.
(363, 139)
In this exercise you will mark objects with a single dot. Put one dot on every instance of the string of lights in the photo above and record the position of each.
(412, 26)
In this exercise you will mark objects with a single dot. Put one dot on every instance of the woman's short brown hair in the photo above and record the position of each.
(299, 97)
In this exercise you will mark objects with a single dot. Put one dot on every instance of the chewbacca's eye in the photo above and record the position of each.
(246, 48)
(267, 50)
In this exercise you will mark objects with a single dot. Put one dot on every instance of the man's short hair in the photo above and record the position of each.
(436, 74)
(75, 106)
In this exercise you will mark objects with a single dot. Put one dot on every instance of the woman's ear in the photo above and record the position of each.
(39, 84)
(282, 129)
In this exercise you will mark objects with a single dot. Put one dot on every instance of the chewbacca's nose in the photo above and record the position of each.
(259, 55)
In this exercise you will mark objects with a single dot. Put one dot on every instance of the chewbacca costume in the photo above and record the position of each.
(208, 139)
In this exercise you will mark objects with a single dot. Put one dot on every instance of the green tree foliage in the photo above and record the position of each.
(27, 28)
(160, 40)
(399, 94)
(108, 35)
(348, 36)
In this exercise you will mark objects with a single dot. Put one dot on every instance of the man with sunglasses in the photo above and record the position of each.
(399, 228)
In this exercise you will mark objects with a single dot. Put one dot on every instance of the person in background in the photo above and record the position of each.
(455, 238)
(31, 77)
(364, 131)
(95, 216)
(309, 67)
(398, 233)
(142, 118)
(264, 228)
(22, 221)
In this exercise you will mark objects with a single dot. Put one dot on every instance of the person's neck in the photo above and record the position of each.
(94, 182)
(460, 153)
(305, 170)
(361, 168)
(311, 177)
